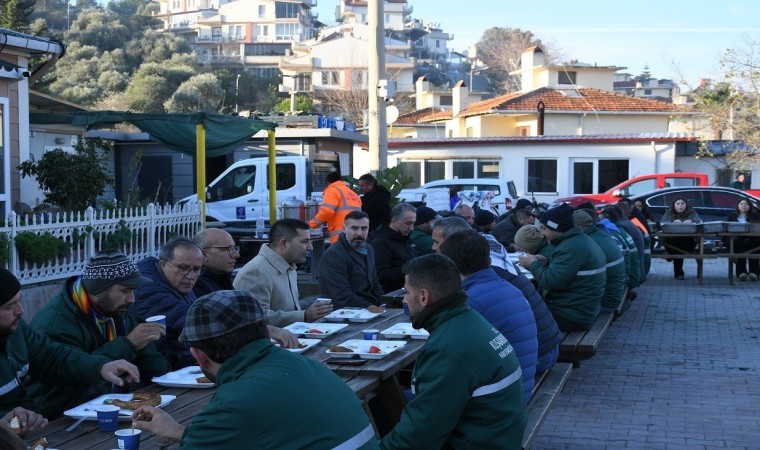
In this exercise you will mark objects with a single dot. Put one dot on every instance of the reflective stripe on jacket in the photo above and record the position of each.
(337, 201)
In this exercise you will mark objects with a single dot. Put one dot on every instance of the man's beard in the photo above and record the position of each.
(358, 243)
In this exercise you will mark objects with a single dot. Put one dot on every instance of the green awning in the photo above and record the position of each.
(224, 134)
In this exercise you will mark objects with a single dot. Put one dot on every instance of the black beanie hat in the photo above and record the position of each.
(559, 218)
(108, 268)
(483, 218)
(9, 286)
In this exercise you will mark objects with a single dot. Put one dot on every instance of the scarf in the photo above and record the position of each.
(105, 324)
(450, 301)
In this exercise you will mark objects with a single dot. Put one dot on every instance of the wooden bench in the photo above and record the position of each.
(577, 346)
(548, 385)
(624, 303)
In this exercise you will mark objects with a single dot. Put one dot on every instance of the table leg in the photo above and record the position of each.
(730, 264)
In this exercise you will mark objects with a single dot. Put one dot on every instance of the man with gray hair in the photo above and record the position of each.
(174, 274)
(393, 247)
(227, 335)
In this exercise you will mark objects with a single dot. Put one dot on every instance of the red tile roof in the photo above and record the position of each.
(419, 116)
(581, 99)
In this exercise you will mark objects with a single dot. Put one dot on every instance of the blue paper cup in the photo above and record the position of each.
(156, 319)
(371, 335)
(128, 439)
(108, 417)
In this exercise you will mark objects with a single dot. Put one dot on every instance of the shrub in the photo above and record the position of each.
(40, 248)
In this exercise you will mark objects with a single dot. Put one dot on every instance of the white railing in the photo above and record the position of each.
(141, 231)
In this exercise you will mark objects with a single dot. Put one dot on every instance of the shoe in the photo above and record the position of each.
(680, 277)
(752, 277)
(744, 277)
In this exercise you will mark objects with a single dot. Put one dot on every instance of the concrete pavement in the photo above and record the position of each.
(679, 370)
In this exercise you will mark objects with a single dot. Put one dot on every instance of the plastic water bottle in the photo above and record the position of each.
(260, 228)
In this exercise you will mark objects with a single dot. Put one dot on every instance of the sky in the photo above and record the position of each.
(681, 40)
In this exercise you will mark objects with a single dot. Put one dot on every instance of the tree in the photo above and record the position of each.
(304, 104)
(153, 83)
(72, 180)
(733, 105)
(100, 29)
(349, 103)
(500, 50)
(201, 93)
(16, 14)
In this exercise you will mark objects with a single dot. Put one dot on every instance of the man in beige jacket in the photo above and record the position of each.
(271, 276)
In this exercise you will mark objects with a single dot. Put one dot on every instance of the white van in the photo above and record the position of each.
(504, 193)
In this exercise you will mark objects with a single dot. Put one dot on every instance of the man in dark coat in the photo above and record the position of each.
(393, 247)
(376, 201)
(347, 272)
(505, 231)
(220, 255)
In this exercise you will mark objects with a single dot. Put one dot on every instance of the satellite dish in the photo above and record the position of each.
(391, 114)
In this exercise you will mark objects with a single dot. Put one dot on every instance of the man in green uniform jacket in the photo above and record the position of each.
(572, 279)
(90, 314)
(467, 381)
(24, 352)
(267, 397)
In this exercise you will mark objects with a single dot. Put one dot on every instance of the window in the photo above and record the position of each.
(611, 172)
(330, 78)
(640, 187)
(286, 10)
(265, 72)
(435, 170)
(387, 18)
(488, 169)
(236, 183)
(464, 169)
(446, 100)
(437, 44)
(647, 92)
(523, 131)
(583, 178)
(216, 34)
(287, 31)
(542, 175)
(262, 30)
(566, 77)
(359, 78)
(286, 176)
(412, 169)
(262, 12)
(670, 181)
(266, 49)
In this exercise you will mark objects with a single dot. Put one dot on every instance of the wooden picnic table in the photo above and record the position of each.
(378, 376)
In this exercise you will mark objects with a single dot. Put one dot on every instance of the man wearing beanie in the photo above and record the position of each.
(485, 221)
(505, 231)
(423, 229)
(24, 352)
(572, 279)
(617, 276)
(90, 314)
(266, 397)
(529, 239)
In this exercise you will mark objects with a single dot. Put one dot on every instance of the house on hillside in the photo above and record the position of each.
(16, 77)
(565, 132)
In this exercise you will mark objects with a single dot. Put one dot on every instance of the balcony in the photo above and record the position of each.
(225, 38)
(219, 59)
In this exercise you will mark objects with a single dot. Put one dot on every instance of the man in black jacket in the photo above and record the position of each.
(376, 201)
(347, 272)
(393, 247)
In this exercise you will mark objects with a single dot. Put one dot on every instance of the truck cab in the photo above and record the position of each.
(638, 185)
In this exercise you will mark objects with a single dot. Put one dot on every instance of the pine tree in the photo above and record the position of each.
(15, 14)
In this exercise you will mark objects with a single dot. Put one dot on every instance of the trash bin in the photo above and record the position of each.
(293, 208)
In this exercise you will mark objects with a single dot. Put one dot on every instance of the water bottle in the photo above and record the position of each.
(260, 228)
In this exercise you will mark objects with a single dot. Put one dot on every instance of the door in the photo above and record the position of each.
(235, 196)
(155, 179)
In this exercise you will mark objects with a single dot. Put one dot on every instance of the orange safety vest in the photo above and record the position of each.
(640, 226)
(337, 201)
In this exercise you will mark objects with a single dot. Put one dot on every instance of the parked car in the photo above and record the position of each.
(504, 191)
(712, 203)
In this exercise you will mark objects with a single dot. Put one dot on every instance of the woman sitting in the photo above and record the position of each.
(679, 212)
(745, 213)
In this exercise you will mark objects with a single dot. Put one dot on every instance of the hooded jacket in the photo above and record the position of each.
(572, 282)
(63, 322)
(392, 251)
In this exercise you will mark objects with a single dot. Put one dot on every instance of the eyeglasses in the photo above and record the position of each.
(231, 248)
(184, 269)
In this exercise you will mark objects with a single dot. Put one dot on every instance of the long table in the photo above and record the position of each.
(699, 254)
(376, 377)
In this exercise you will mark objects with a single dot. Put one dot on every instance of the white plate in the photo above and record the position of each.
(309, 343)
(351, 314)
(315, 330)
(87, 410)
(361, 349)
(183, 378)
(403, 330)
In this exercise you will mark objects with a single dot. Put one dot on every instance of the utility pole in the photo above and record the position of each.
(237, 93)
(378, 133)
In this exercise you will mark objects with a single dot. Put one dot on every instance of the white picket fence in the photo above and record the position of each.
(150, 227)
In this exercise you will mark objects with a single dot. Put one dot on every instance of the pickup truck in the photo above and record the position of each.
(240, 193)
(643, 183)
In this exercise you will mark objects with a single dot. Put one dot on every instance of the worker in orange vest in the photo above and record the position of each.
(337, 201)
